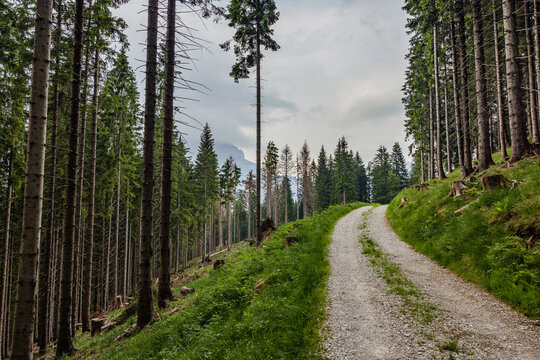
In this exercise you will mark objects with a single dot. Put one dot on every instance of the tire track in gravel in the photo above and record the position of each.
(366, 322)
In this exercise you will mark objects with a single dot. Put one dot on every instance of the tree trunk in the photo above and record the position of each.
(6, 283)
(530, 66)
(229, 225)
(518, 134)
(447, 126)
(464, 89)
(144, 306)
(165, 292)
(258, 211)
(89, 239)
(107, 257)
(44, 289)
(117, 212)
(484, 146)
(498, 79)
(431, 172)
(220, 223)
(25, 303)
(537, 66)
(457, 114)
(440, 168)
(64, 344)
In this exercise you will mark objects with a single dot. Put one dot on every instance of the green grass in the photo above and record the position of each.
(226, 319)
(491, 242)
(414, 302)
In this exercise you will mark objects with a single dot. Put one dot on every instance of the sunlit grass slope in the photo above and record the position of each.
(493, 241)
(226, 318)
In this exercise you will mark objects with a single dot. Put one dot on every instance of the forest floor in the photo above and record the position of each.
(386, 301)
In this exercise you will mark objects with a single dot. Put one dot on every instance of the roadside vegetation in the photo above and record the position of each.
(264, 303)
(487, 236)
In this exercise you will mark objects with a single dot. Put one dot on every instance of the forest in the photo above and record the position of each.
(74, 199)
(104, 202)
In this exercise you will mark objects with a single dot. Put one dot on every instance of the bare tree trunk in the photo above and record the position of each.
(484, 146)
(464, 89)
(536, 140)
(144, 306)
(456, 86)
(518, 134)
(126, 253)
(25, 303)
(440, 168)
(229, 225)
(117, 212)
(431, 157)
(498, 79)
(107, 267)
(6, 283)
(79, 233)
(44, 288)
(447, 126)
(220, 223)
(530, 66)
(258, 211)
(64, 344)
(89, 243)
(164, 290)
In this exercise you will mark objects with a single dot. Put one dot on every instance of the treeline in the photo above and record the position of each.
(472, 83)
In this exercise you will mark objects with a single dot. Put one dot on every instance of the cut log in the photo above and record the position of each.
(127, 333)
(218, 263)
(457, 188)
(259, 285)
(421, 187)
(491, 182)
(403, 202)
(186, 291)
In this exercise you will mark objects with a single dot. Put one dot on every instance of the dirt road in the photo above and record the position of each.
(367, 321)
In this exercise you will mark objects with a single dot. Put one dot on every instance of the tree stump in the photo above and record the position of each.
(457, 188)
(490, 182)
(218, 263)
(267, 224)
(421, 187)
(96, 325)
(289, 240)
(119, 302)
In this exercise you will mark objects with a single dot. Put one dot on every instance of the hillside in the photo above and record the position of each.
(265, 302)
(487, 236)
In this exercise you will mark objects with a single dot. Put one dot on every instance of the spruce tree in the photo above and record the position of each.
(253, 21)
(399, 168)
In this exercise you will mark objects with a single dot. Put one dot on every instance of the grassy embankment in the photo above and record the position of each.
(226, 318)
(488, 237)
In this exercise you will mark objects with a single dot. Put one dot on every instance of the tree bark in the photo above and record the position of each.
(164, 289)
(144, 306)
(499, 85)
(537, 66)
(89, 242)
(440, 168)
(464, 90)
(258, 211)
(431, 157)
(457, 114)
(6, 284)
(534, 131)
(25, 303)
(117, 211)
(484, 146)
(518, 134)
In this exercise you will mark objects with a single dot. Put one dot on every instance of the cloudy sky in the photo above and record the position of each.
(339, 72)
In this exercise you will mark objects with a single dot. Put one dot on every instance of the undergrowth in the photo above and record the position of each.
(491, 240)
(226, 318)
